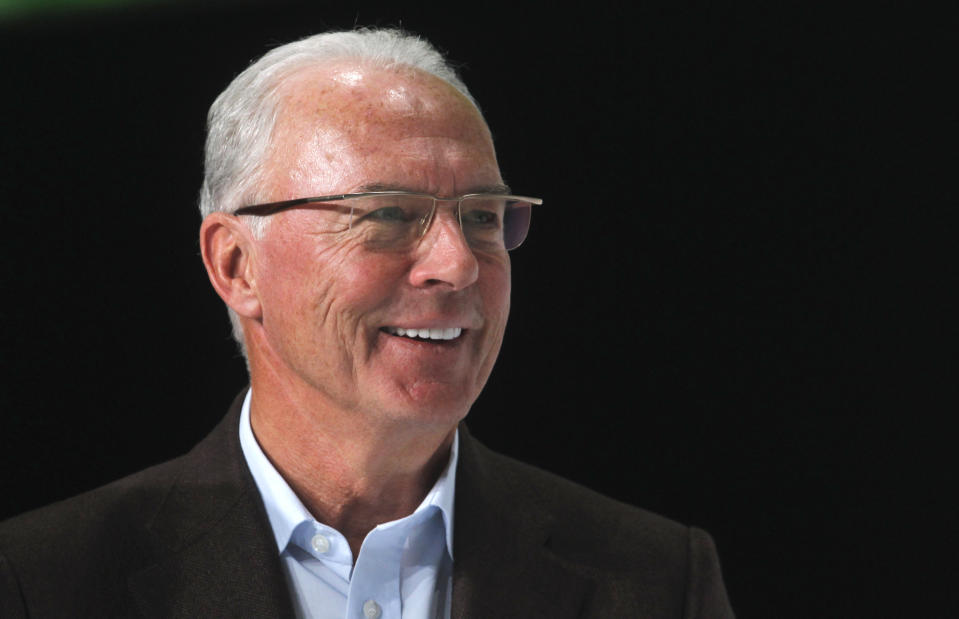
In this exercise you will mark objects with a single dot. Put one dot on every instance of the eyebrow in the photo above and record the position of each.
(396, 187)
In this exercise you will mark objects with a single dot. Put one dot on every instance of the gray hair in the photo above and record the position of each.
(241, 120)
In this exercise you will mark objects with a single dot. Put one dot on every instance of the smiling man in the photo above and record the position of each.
(357, 226)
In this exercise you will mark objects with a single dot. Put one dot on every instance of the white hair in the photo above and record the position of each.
(241, 120)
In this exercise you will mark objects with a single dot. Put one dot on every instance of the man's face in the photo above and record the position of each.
(328, 302)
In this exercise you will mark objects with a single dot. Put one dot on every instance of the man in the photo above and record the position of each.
(357, 227)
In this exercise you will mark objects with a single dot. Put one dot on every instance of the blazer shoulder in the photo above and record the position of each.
(584, 525)
(129, 503)
(79, 553)
(73, 557)
(89, 521)
(637, 563)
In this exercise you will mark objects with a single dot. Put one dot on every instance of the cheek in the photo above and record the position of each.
(495, 284)
(363, 281)
(294, 280)
(495, 290)
(326, 287)
(288, 294)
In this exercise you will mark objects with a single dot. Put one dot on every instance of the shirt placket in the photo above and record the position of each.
(375, 583)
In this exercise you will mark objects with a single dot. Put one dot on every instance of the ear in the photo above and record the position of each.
(227, 247)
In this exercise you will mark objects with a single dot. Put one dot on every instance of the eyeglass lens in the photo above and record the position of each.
(399, 221)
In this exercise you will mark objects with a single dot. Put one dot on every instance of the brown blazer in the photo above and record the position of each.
(190, 538)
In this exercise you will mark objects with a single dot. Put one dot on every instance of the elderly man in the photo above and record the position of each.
(357, 227)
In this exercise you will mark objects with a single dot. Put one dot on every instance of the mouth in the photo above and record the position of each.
(433, 334)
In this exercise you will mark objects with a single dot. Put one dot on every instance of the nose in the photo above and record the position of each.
(443, 257)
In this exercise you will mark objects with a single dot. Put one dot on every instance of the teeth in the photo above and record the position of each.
(449, 333)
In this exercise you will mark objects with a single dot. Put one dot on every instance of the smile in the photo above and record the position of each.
(448, 333)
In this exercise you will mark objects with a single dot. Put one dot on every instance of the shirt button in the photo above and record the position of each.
(320, 543)
(371, 610)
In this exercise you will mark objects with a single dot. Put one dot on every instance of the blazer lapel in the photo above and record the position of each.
(501, 566)
(216, 554)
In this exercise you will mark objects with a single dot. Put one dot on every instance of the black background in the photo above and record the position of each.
(733, 309)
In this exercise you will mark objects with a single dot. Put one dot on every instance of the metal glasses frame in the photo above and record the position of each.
(271, 208)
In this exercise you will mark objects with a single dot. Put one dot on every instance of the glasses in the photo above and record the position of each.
(397, 220)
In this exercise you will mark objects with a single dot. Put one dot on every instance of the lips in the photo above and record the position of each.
(431, 333)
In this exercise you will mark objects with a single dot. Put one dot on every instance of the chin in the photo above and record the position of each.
(433, 403)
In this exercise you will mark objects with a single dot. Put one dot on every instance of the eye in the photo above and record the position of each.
(389, 214)
(479, 217)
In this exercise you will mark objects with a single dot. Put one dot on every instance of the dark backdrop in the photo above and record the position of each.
(733, 308)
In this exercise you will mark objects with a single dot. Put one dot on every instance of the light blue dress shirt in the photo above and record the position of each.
(404, 568)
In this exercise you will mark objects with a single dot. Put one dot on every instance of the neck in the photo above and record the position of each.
(351, 473)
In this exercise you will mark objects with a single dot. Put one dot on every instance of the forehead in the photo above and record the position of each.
(349, 119)
(352, 92)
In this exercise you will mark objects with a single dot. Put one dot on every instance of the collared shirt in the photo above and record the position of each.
(404, 568)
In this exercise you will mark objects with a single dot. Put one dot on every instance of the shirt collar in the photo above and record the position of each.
(285, 510)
